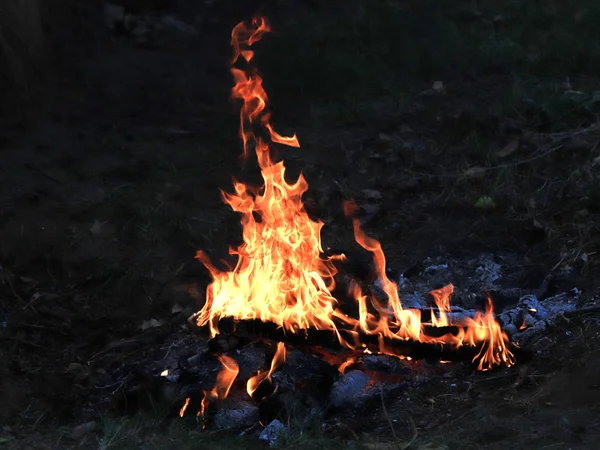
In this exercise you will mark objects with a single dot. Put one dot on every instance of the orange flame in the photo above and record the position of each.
(442, 301)
(248, 86)
(483, 328)
(225, 379)
(280, 275)
(276, 362)
(184, 407)
(344, 366)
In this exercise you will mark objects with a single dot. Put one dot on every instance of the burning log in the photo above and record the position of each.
(374, 343)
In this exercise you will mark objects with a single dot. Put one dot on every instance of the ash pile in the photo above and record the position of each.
(210, 379)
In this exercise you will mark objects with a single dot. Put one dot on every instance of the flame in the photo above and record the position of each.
(483, 328)
(442, 301)
(225, 379)
(281, 276)
(184, 407)
(344, 366)
(276, 362)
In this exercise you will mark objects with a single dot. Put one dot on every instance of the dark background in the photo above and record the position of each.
(475, 121)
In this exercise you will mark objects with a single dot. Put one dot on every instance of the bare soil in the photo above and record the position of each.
(112, 187)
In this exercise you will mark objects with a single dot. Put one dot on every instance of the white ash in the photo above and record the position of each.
(435, 268)
(469, 277)
(539, 315)
(488, 270)
(402, 281)
(528, 318)
(413, 300)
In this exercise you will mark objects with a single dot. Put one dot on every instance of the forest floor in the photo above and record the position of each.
(478, 127)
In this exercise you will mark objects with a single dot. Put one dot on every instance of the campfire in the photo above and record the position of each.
(284, 288)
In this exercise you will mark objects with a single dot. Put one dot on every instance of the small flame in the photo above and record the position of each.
(344, 366)
(184, 407)
(165, 373)
(280, 275)
(225, 379)
(442, 301)
(484, 328)
(276, 362)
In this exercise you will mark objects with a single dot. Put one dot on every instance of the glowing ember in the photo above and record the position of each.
(281, 276)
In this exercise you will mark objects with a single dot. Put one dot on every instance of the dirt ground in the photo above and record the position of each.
(114, 184)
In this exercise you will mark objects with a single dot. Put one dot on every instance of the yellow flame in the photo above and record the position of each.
(280, 275)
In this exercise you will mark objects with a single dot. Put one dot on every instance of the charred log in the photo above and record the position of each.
(256, 329)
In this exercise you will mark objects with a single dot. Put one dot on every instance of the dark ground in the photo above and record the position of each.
(114, 184)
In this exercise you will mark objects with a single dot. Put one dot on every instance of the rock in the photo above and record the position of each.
(250, 361)
(272, 432)
(489, 271)
(386, 364)
(309, 371)
(349, 388)
(236, 414)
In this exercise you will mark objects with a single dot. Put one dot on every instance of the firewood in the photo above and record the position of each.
(256, 329)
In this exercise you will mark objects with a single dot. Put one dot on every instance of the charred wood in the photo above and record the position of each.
(256, 329)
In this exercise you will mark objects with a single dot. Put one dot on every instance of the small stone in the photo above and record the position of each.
(386, 364)
(243, 415)
(349, 388)
(250, 360)
(272, 432)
